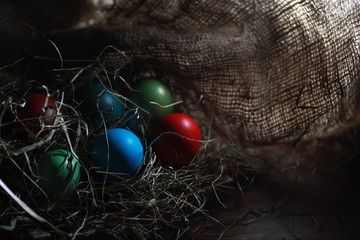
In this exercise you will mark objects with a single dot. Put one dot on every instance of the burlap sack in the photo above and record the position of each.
(262, 71)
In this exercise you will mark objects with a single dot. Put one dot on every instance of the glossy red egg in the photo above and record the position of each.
(38, 107)
(176, 140)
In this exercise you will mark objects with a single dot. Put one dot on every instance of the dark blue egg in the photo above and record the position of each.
(132, 124)
(99, 104)
(132, 121)
(118, 152)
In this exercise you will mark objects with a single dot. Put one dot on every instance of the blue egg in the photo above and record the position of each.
(99, 105)
(117, 152)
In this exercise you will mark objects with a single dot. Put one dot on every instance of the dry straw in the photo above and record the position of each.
(140, 207)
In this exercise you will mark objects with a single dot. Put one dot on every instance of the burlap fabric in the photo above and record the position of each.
(261, 70)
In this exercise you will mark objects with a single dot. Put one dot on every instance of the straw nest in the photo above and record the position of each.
(142, 206)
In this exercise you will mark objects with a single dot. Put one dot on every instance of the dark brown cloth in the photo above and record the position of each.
(265, 70)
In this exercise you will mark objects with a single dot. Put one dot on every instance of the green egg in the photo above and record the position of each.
(153, 96)
(58, 172)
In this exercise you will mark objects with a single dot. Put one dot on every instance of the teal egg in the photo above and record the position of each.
(99, 104)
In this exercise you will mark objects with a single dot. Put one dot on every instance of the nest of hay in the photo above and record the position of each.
(142, 206)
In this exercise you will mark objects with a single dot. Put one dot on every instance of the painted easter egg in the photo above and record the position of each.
(176, 140)
(99, 104)
(132, 122)
(58, 172)
(152, 96)
(39, 108)
(117, 153)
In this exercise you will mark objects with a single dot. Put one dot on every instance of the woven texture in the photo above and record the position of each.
(265, 70)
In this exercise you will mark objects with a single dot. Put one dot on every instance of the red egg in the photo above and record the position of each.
(38, 107)
(176, 140)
